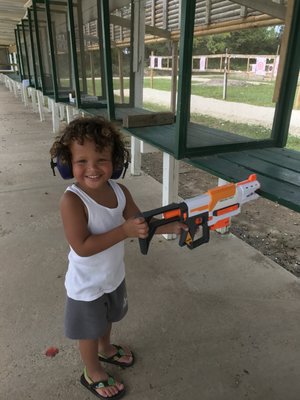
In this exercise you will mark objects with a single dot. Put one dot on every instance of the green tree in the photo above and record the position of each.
(263, 40)
(255, 41)
(212, 44)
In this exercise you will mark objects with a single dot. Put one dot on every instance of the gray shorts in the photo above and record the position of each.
(91, 319)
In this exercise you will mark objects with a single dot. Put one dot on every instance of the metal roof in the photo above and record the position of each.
(12, 11)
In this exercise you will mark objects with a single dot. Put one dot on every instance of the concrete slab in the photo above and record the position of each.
(219, 322)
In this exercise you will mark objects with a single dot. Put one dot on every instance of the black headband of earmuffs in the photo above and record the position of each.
(65, 167)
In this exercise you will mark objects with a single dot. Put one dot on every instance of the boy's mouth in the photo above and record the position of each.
(93, 176)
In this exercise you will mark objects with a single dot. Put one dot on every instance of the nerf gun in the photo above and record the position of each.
(209, 211)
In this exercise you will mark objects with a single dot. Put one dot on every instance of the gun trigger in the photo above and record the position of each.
(188, 239)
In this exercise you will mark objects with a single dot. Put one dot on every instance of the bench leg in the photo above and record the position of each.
(15, 85)
(33, 99)
(40, 99)
(135, 165)
(24, 95)
(55, 115)
(170, 183)
(61, 111)
(147, 148)
(70, 113)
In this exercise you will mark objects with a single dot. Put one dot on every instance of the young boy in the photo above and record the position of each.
(98, 214)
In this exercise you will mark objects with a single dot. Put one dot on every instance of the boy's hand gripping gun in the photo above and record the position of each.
(211, 210)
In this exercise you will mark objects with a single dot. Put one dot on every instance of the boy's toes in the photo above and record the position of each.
(107, 388)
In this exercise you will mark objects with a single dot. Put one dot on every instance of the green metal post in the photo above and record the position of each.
(52, 56)
(290, 75)
(21, 53)
(37, 38)
(32, 49)
(104, 7)
(73, 53)
(26, 51)
(81, 53)
(101, 58)
(185, 74)
(19, 56)
(132, 74)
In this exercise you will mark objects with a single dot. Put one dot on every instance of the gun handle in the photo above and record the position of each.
(203, 239)
(144, 243)
(191, 244)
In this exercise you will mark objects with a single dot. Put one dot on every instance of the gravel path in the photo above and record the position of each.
(227, 110)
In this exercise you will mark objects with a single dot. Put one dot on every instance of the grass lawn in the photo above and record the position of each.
(251, 131)
(256, 94)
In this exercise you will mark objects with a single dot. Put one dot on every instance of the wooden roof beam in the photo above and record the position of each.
(9, 16)
(275, 10)
(151, 30)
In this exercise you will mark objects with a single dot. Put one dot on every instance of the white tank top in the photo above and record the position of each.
(88, 278)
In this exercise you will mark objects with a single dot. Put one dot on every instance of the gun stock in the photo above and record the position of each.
(154, 224)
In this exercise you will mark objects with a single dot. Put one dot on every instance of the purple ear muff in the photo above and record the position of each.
(117, 173)
(65, 169)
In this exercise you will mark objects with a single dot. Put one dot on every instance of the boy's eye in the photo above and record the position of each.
(103, 161)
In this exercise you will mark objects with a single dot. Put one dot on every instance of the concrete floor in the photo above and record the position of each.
(219, 322)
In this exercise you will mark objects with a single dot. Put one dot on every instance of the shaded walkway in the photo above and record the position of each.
(220, 322)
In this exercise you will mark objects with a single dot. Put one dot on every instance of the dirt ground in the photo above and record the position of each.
(268, 227)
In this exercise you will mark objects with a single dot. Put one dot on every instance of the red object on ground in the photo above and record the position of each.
(52, 351)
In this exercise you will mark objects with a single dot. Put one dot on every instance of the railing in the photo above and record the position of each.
(256, 64)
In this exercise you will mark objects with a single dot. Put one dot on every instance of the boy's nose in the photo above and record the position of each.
(92, 165)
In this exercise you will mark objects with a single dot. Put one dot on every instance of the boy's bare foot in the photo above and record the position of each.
(102, 385)
(117, 355)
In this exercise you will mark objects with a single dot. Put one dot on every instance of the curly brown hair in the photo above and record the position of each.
(97, 129)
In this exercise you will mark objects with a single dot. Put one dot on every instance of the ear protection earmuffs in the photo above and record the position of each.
(65, 168)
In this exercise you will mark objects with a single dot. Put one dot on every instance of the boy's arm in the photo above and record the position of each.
(132, 210)
(81, 240)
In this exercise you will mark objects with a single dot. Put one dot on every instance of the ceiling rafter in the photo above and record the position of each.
(271, 8)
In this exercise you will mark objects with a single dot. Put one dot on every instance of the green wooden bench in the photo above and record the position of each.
(120, 111)
(277, 169)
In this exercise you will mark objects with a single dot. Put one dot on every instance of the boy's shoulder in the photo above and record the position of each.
(69, 195)
(123, 187)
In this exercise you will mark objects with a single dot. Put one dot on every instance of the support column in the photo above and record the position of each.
(138, 51)
(170, 183)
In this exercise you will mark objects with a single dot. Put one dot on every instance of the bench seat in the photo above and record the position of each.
(277, 169)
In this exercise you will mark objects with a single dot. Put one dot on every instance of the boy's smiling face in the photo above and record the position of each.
(91, 168)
